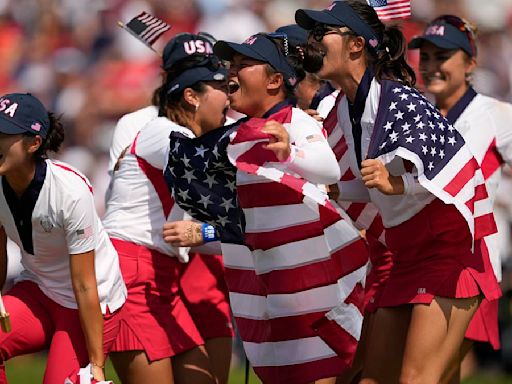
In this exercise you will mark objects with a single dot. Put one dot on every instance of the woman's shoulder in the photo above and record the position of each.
(68, 179)
(299, 116)
(139, 116)
(163, 124)
(489, 109)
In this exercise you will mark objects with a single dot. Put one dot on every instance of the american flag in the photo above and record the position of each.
(391, 9)
(293, 266)
(202, 181)
(409, 126)
(84, 233)
(146, 28)
(364, 215)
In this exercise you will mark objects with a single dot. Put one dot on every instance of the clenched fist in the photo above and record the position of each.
(376, 175)
(279, 141)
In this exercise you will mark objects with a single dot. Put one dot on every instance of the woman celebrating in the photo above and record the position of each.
(437, 280)
(68, 296)
(159, 341)
(285, 255)
(447, 59)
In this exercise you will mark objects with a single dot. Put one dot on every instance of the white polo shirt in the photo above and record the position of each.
(65, 222)
(139, 202)
(126, 129)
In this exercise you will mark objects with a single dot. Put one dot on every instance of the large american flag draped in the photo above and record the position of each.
(409, 126)
(294, 267)
(391, 9)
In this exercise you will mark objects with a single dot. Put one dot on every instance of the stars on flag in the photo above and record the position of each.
(406, 116)
(204, 181)
(200, 151)
(227, 204)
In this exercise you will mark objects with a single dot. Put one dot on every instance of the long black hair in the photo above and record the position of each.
(388, 59)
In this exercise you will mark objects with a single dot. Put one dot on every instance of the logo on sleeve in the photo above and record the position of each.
(84, 233)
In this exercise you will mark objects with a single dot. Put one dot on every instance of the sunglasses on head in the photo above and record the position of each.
(320, 30)
(463, 26)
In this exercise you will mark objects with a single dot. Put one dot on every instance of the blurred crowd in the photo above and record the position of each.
(75, 58)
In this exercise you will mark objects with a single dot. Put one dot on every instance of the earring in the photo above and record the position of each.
(469, 77)
(197, 106)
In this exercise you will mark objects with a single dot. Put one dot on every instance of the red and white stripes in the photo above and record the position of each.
(391, 9)
(296, 286)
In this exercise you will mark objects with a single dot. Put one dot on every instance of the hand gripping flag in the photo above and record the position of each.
(391, 9)
(409, 126)
(294, 267)
(146, 28)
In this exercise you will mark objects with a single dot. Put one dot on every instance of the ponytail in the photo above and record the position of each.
(388, 58)
(54, 137)
(389, 62)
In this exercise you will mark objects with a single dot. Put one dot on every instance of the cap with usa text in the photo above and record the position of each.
(23, 113)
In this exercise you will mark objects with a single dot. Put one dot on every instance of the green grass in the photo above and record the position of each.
(30, 369)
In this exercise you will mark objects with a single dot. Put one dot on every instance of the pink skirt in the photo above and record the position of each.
(206, 296)
(156, 319)
(433, 257)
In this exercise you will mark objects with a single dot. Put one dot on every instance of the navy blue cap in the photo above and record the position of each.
(258, 47)
(296, 34)
(338, 14)
(444, 34)
(184, 45)
(23, 113)
(209, 69)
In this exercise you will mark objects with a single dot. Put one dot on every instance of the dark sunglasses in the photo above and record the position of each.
(462, 26)
(212, 62)
(320, 30)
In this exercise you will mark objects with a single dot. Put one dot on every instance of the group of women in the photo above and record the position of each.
(147, 286)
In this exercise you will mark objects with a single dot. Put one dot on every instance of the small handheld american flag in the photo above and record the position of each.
(391, 9)
(146, 28)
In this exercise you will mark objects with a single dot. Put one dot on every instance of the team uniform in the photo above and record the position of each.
(53, 219)
(364, 215)
(138, 194)
(484, 124)
(436, 259)
(296, 260)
